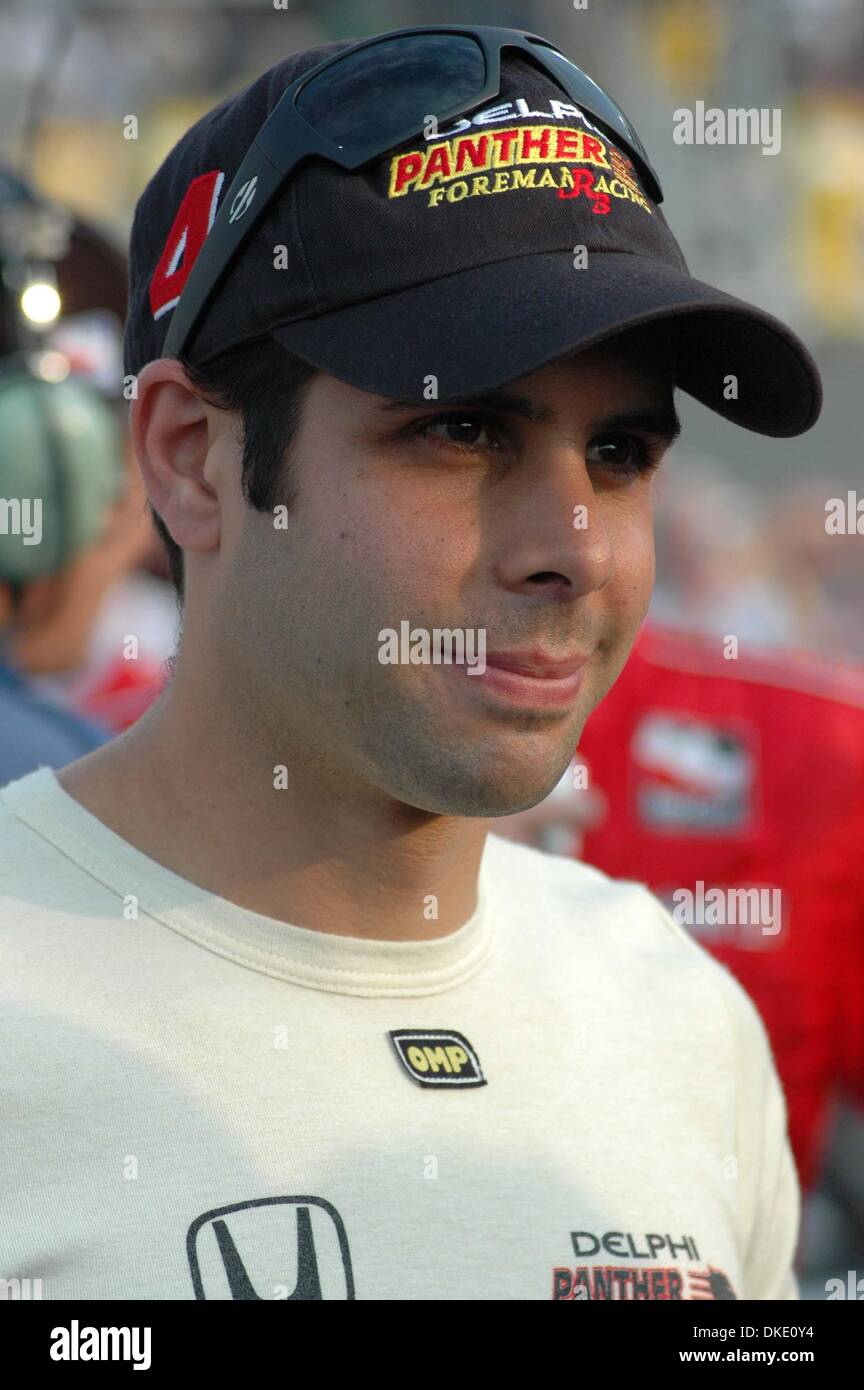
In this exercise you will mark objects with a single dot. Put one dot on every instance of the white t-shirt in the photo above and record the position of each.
(567, 1097)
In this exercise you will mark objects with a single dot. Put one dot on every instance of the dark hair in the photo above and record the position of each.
(267, 386)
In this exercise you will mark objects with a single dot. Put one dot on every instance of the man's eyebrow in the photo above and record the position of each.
(660, 421)
(507, 402)
(663, 422)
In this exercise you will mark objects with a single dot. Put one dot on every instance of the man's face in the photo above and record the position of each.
(531, 522)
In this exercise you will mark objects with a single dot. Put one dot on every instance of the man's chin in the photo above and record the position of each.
(490, 762)
(491, 791)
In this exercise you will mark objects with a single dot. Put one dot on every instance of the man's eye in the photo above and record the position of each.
(627, 454)
(460, 429)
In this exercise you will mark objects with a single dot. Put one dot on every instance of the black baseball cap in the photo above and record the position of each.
(516, 235)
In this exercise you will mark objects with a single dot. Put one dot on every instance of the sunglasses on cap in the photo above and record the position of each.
(367, 100)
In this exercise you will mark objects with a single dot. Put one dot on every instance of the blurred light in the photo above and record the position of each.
(51, 366)
(40, 302)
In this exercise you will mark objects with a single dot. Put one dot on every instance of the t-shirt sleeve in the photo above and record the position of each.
(769, 1193)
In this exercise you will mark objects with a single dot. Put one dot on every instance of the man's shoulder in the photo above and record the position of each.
(622, 919)
(565, 880)
(559, 876)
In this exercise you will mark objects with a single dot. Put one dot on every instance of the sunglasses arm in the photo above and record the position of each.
(251, 190)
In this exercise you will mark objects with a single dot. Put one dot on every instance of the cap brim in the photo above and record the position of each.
(485, 327)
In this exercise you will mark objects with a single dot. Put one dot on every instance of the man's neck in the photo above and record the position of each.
(302, 847)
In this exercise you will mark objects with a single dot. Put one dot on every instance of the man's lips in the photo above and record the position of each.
(536, 663)
(528, 680)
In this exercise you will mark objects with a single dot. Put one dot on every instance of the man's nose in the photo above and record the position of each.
(556, 533)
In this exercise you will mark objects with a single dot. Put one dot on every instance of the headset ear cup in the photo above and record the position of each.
(61, 468)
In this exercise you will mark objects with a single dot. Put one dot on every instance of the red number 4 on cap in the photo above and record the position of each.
(189, 229)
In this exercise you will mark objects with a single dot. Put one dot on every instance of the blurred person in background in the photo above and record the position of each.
(820, 567)
(61, 470)
(767, 568)
(93, 637)
(104, 647)
(718, 567)
(100, 646)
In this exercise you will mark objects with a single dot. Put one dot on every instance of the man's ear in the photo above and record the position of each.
(5, 606)
(172, 430)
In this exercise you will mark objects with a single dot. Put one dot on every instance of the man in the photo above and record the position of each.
(310, 1031)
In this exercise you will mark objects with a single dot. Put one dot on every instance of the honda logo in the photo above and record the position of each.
(292, 1248)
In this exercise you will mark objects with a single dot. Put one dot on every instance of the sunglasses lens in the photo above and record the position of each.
(387, 89)
(585, 92)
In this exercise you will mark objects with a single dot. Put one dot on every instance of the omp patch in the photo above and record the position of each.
(438, 1057)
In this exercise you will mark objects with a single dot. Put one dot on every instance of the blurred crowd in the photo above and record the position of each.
(733, 558)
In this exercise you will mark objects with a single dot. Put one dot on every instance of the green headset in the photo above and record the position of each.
(61, 468)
